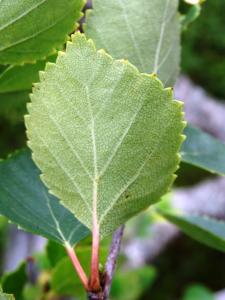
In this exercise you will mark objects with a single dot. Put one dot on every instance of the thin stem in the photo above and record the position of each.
(95, 276)
(77, 266)
(112, 259)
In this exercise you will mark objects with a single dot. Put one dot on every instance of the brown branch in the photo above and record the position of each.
(112, 259)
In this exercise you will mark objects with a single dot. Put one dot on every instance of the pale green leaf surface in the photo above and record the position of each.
(208, 231)
(20, 78)
(145, 32)
(204, 151)
(105, 136)
(24, 200)
(4, 296)
(32, 29)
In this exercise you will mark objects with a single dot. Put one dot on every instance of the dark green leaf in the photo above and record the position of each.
(204, 151)
(25, 201)
(20, 78)
(208, 231)
(14, 282)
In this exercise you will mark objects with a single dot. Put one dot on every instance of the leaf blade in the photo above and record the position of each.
(113, 105)
(204, 151)
(206, 230)
(150, 41)
(28, 33)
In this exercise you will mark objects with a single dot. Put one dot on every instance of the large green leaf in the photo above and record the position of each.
(208, 231)
(145, 32)
(25, 201)
(20, 78)
(104, 135)
(204, 151)
(32, 29)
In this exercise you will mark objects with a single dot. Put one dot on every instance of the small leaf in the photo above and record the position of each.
(31, 30)
(27, 74)
(24, 200)
(198, 292)
(204, 151)
(147, 33)
(208, 231)
(131, 284)
(104, 135)
(14, 282)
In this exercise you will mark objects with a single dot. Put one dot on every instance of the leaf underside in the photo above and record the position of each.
(147, 33)
(24, 200)
(31, 30)
(104, 136)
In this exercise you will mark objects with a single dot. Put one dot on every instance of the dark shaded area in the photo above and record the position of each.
(183, 263)
(203, 48)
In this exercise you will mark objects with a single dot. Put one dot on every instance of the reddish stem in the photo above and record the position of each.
(77, 266)
(95, 276)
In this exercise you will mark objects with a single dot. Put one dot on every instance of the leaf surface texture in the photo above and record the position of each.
(104, 135)
(145, 32)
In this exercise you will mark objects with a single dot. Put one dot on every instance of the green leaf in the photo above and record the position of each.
(147, 33)
(204, 151)
(65, 281)
(31, 30)
(198, 292)
(130, 285)
(27, 74)
(103, 134)
(208, 231)
(25, 201)
(55, 252)
(14, 282)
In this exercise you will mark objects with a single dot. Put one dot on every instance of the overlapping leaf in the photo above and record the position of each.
(105, 136)
(20, 78)
(204, 151)
(32, 29)
(208, 231)
(25, 201)
(147, 33)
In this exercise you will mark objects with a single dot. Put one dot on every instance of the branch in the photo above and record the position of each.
(111, 260)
